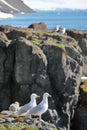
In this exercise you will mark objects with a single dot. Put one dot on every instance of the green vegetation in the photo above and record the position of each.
(61, 45)
(84, 86)
(14, 126)
(37, 41)
(19, 126)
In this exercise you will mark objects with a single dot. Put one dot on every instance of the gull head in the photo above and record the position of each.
(46, 95)
(34, 95)
(17, 103)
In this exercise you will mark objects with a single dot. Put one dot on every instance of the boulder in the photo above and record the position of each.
(38, 26)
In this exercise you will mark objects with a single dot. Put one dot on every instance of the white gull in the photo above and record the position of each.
(14, 107)
(41, 108)
(57, 28)
(29, 105)
(62, 31)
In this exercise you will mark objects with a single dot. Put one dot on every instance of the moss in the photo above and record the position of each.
(51, 34)
(37, 41)
(61, 45)
(26, 128)
(2, 127)
(13, 116)
(54, 129)
(14, 126)
(34, 128)
(84, 86)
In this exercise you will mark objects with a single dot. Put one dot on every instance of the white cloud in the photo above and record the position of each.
(53, 4)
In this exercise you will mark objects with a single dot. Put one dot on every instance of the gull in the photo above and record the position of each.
(57, 28)
(41, 108)
(28, 106)
(14, 107)
(62, 31)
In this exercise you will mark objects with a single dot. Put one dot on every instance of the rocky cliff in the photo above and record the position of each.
(14, 6)
(39, 60)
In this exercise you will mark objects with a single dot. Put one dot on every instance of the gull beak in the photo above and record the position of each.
(38, 96)
(50, 95)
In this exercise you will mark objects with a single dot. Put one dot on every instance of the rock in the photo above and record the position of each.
(50, 116)
(34, 123)
(4, 87)
(3, 36)
(30, 71)
(65, 72)
(38, 26)
(6, 112)
(41, 61)
(41, 124)
(2, 121)
(81, 37)
(80, 119)
(83, 94)
(6, 28)
(9, 120)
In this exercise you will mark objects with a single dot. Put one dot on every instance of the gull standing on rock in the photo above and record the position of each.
(28, 106)
(62, 31)
(41, 108)
(57, 28)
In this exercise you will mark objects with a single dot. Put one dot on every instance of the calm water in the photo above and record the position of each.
(71, 19)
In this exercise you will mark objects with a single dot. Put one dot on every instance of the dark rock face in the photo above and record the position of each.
(30, 71)
(4, 85)
(41, 61)
(65, 72)
(81, 37)
(80, 119)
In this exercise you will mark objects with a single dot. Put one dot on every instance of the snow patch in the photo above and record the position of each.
(5, 15)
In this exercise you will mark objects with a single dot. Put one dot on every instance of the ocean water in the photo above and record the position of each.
(70, 19)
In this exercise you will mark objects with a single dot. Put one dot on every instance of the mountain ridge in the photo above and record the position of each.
(15, 6)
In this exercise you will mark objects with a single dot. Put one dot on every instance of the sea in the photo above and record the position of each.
(70, 19)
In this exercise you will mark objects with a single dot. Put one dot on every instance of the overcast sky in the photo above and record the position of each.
(52, 4)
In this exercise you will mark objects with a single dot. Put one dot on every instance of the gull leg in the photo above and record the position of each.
(41, 118)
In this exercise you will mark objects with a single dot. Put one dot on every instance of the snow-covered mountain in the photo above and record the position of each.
(14, 6)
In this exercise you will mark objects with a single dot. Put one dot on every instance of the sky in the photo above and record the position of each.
(53, 4)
